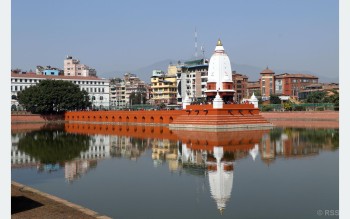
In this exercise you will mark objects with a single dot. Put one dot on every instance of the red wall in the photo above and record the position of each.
(159, 117)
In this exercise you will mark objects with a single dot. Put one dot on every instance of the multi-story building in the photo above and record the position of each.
(267, 83)
(192, 77)
(253, 87)
(284, 84)
(97, 88)
(122, 88)
(72, 67)
(291, 84)
(240, 85)
(163, 88)
(117, 93)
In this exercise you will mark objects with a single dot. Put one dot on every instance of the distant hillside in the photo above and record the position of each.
(252, 72)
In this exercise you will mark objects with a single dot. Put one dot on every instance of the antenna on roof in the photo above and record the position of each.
(202, 49)
(195, 42)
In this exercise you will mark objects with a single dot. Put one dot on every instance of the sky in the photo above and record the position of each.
(119, 36)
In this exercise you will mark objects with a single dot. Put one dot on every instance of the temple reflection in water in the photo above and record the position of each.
(209, 154)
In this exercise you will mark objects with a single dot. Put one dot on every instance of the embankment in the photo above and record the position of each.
(309, 119)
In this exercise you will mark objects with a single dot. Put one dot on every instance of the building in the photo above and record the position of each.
(329, 88)
(97, 88)
(191, 77)
(47, 70)
(72, 67)
(220, 75)
(291, 84)
(122, 88)
(267, 82)
(253, 87)
(283, 84)
(163, 88)
(240, 85)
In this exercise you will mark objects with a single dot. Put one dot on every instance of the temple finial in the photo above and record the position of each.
(219, 43)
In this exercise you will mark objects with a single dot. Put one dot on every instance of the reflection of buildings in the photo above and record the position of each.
(75, 169)
(19, 158)
(164, 149)
(99, 147)
(209, 154)
(294, 143)
(127, 147)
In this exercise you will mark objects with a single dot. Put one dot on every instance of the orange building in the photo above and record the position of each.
(292, 84)
(267, 83)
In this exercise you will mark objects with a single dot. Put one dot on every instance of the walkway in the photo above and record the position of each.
(27, 202)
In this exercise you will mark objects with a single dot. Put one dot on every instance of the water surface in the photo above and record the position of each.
(154, 172)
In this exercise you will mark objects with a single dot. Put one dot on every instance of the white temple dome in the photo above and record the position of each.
(219, 66)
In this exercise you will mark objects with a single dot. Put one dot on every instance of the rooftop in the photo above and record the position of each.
(14, 75)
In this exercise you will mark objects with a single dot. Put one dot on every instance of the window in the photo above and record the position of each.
(103, 90)
(101, 97)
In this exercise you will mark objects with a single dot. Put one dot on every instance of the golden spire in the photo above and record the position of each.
(221, 211)
(219, 42)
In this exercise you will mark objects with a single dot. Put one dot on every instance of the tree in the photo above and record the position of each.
(274, 99)
(53, 96)
(334, 98)
(136, 97)
(316, 97)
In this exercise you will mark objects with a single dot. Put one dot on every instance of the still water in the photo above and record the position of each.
(154, 172)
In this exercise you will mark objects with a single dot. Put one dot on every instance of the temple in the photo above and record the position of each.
(219, 112)
(220, 76)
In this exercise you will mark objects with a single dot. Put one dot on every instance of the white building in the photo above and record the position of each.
(220, 75)
(97, 88)
(191, 78)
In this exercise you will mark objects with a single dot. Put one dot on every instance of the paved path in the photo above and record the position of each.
(314, 119)
(27, 202)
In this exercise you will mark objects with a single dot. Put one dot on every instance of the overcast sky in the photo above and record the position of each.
(118, 36)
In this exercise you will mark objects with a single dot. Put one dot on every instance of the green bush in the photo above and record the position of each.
(299, 108)
(287, 106)
(266, 108)
(319, 108)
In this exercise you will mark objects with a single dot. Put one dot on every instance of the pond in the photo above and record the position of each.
(154, 172)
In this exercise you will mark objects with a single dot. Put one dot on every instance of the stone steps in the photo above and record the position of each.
(219, 119)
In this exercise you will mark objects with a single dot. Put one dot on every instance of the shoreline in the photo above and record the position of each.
(316, 119)
(28, 202)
